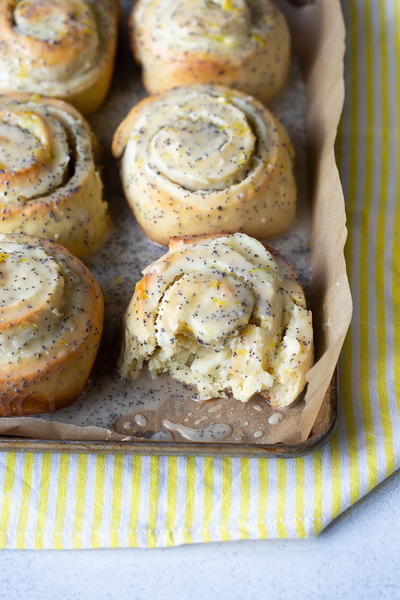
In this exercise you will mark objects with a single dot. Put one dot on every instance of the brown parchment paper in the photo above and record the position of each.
(319, 38)
(105, 412)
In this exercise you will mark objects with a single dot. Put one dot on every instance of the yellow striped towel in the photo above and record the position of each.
(76, 501)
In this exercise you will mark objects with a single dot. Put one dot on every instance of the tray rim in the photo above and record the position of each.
(181, 448)
(8, 444)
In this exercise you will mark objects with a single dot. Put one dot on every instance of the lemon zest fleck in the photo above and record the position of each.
(229, 6)
(241, 351)
(219, 302)
(258, 39)
(22, 71)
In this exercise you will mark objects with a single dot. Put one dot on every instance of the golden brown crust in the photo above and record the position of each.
(206, 159)
(49, 373)
(123, 131)
(59, 48)
(58, 195)
(238, 43)
(87, 101)
(185, 240)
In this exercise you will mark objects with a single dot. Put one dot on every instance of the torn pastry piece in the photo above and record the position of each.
(206, 159)
(244, 44)
(51, 320)
(50, 184)
(59, 48)
(222, 313)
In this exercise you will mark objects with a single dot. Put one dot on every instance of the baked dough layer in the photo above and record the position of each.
(224, 314)
(243, 44)
(206, 159)
(50, 184)
(59, 48)
(51, 320)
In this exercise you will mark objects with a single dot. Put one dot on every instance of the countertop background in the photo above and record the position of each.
(356, 557)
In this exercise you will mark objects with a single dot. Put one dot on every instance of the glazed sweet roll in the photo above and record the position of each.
(243, 44)
(206, 159)
(51, 319)
(59, 48)
(49, 182)
(224, 314)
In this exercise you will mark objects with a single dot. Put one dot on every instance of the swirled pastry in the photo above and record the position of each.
(243, 44)
(49, 183)
(224, 314)
(59, 48)
(206, 159)
(51, 319)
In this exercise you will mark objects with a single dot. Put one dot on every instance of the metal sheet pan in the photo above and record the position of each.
(322, 429)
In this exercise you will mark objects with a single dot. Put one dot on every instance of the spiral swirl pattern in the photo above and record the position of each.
(61, 48)
(224, 314)
(49, 183)
(51, 317)
(206, 159)
(243, 44)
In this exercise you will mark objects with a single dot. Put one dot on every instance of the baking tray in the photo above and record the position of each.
(325, 421)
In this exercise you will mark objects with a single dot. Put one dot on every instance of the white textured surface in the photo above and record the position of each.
(357, 558)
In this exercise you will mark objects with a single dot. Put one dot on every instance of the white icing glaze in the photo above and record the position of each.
(223, 25)
(204, 152)
(140, 420)
(258, 434)
(149, 395)
(162, 436)
(275, 418)
(212, 433)
(223, 305)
